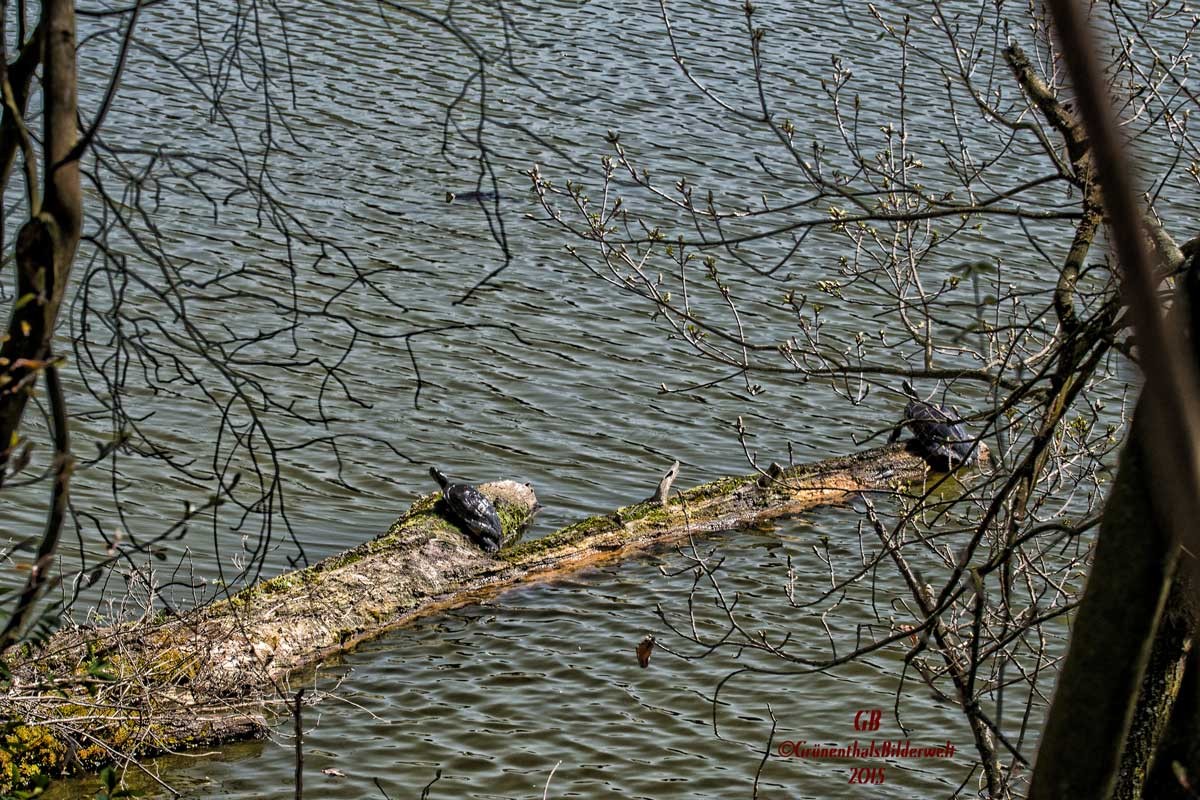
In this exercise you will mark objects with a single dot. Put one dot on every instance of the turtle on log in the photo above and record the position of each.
(472, 511)
(938, 436)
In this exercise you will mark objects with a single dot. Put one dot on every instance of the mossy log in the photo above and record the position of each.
(93, 695)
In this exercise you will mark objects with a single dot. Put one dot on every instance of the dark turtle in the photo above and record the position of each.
(474, 512)
(938, 436)
(474, 197)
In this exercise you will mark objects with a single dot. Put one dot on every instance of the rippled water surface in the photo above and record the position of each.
(542, 678)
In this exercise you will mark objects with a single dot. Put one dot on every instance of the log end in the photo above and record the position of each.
(516, 503)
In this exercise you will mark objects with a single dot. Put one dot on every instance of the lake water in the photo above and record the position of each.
(547, 375)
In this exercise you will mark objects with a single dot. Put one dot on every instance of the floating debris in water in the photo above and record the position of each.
(644, 649)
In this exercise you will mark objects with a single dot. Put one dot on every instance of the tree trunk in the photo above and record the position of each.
(47, 242)
(1111, 640)
(1173, 775)
(45, 251)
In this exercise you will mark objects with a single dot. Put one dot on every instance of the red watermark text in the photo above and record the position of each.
(857, 749)
(865, 720)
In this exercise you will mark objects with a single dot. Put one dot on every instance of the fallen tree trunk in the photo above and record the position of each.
(95, 695)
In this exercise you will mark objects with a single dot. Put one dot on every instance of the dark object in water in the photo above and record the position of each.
(938, 437)
(481, 197)
(472, 511)
(644, 648)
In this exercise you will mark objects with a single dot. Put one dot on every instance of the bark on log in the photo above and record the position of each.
(89, 696)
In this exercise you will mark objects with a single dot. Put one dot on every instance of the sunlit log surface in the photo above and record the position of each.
(94, 695)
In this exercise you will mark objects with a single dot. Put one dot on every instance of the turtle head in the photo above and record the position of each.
(438, 476)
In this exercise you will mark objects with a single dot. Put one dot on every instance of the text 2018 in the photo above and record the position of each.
(866, 775)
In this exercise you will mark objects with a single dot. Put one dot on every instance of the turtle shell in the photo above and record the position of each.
(939, 437)
(476, 514)
(472, 511)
